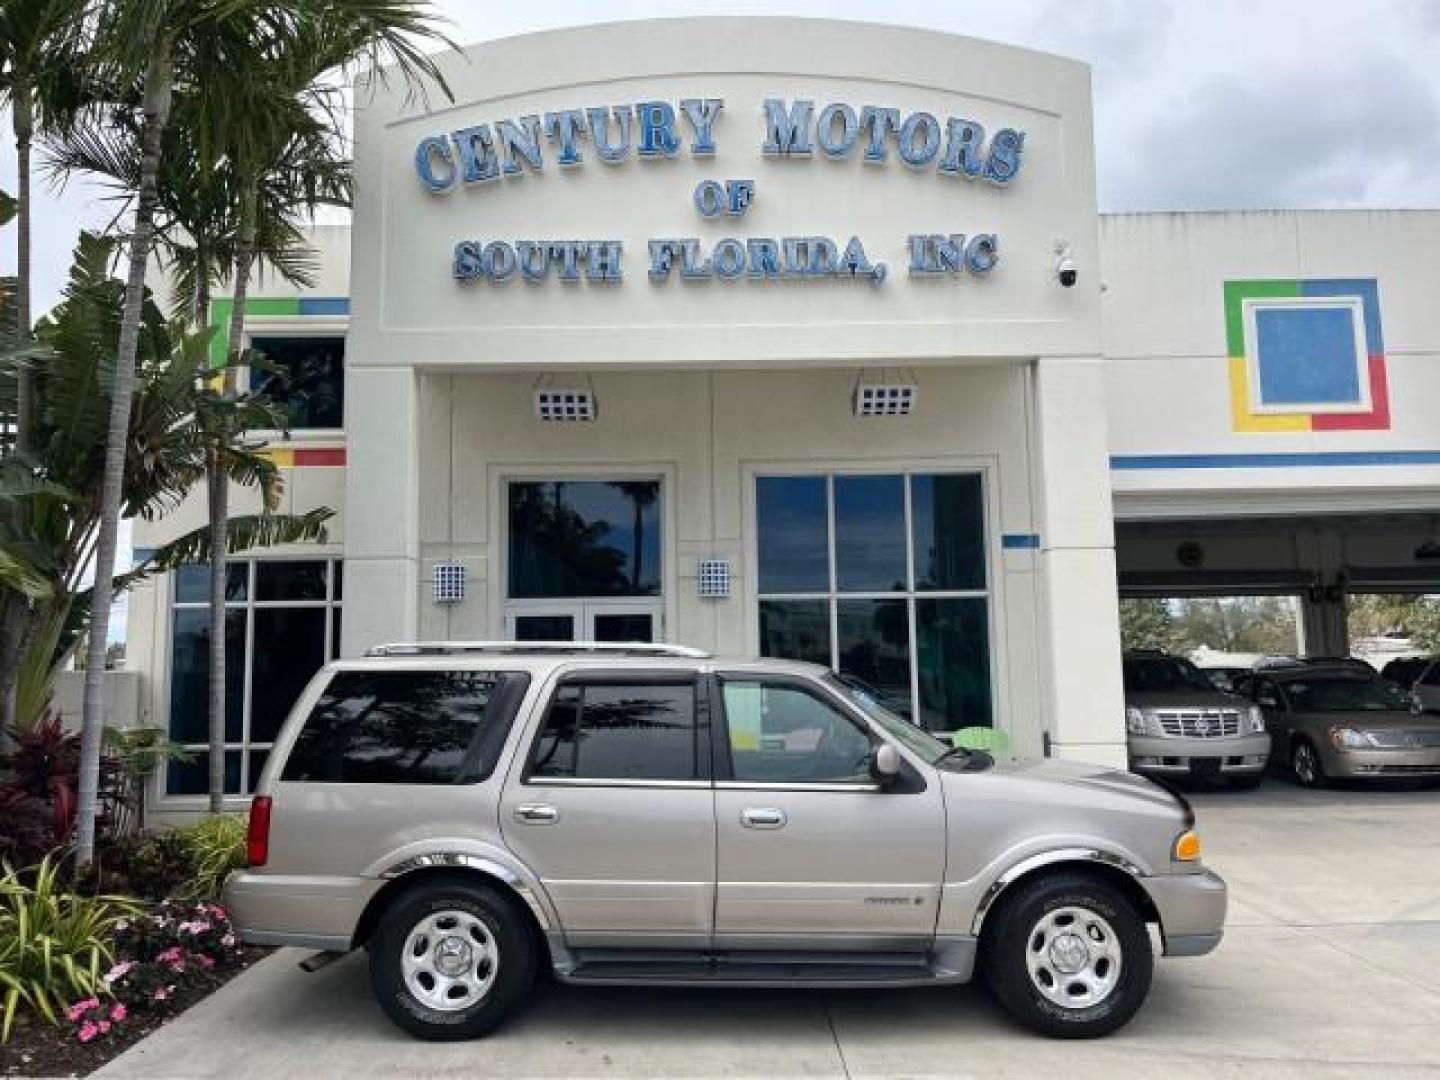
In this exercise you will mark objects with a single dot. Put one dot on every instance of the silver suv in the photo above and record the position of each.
(471, 814)
(1181, 725)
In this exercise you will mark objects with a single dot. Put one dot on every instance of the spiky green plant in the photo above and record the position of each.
(54, 944)
(213, 847)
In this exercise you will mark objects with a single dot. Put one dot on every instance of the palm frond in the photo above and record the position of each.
(245, 533)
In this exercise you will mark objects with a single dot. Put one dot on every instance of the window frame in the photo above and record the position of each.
(295, 326)
(724, 763)
(499, 477)
(701, 737)
(992, 592)
(249, 605)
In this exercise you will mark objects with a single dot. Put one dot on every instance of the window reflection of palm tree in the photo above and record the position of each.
(642, 494)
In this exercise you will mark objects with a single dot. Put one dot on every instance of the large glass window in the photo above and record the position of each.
(305, 376)
(575, 538)
(882, 577)
(282, 621)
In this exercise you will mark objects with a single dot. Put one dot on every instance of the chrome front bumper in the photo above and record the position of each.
(1192, 910)
(1237, 755)
(1381, 764)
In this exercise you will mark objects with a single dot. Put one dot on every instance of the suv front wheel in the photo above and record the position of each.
(1068, 955)
(449, 960)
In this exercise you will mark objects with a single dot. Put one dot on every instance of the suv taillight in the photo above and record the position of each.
(257, 840)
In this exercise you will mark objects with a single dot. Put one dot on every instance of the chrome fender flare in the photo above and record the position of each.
(521, 884)
(1013, 873)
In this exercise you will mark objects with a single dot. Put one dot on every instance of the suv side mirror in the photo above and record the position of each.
(886, 764)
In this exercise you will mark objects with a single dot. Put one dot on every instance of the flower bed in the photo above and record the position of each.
(166, 959)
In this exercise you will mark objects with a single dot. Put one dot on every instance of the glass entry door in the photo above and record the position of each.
(578, 620)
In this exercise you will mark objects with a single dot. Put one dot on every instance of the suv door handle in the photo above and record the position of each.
(532, 813)
(763, 817)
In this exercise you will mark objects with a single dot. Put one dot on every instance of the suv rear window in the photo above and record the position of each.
(406, 727)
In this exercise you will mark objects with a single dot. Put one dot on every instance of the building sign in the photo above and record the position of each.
(512, 149)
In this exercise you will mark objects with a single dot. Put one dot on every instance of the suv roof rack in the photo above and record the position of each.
(554, 648)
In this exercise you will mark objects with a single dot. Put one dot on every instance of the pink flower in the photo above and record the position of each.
(205, 961)
(118, 1012)
(87, 1032)
(216, 911)
(104, 1027)
(76, 1011)
(162, 993)
(118, 971)
(172, 955)
(228, 941)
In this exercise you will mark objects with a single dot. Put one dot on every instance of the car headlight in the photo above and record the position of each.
(1347, 738)
(1137, 723)
(1257, 720)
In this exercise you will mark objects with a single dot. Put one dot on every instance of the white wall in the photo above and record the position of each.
(706, 434)
(1167, 372)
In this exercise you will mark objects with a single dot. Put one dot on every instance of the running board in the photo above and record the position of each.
(615, 967)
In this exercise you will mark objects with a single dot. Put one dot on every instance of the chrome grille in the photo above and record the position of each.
(1199, 723)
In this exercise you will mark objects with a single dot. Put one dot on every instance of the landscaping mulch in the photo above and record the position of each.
(40, 1049)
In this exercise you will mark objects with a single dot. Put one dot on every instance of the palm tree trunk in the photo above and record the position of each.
(23, 106)
(219, 493)
(220, 508)
(158, 80)
(14, 612)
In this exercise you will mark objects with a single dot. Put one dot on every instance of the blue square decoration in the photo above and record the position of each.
(1307, 356)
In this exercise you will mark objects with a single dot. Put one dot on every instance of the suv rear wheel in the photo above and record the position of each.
(1068, 955)
(449, 960)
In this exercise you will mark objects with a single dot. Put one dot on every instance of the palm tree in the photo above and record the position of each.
(143, 41)
(49, 540)
(38, 40)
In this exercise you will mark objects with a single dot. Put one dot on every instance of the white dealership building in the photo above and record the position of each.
(805, 338)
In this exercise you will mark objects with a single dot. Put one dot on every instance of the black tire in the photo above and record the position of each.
(509, 934)
(1247, 783)
(1305, 765)
(1011, 932)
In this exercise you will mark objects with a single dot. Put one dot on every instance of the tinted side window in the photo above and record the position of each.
(619, 731)
(1431, 676)
(406, 727)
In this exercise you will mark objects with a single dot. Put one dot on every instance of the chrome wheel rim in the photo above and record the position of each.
(1073, 957)
(1305, 763)
(449, 960)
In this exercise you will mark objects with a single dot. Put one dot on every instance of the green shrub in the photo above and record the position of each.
(54, 945)
(212, 847)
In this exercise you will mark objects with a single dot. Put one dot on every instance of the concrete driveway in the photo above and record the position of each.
(1330, 968)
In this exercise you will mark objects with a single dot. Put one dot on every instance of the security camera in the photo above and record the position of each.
(1067, 271)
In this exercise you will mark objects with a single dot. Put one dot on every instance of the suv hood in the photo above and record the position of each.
(1054, 774)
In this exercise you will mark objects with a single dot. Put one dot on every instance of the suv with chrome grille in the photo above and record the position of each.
(1180, 725)
(641, 814)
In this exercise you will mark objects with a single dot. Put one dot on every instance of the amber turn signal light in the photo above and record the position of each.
(1187, 846)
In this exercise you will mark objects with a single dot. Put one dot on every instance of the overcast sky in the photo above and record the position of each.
(1199, 105)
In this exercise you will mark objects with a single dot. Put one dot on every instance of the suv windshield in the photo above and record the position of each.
(1339, 694)
(911, 737)
(1163, 675)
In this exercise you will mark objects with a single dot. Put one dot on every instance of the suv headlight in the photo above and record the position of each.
(1137, 723)
(1347, 738)
(1257, 720)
